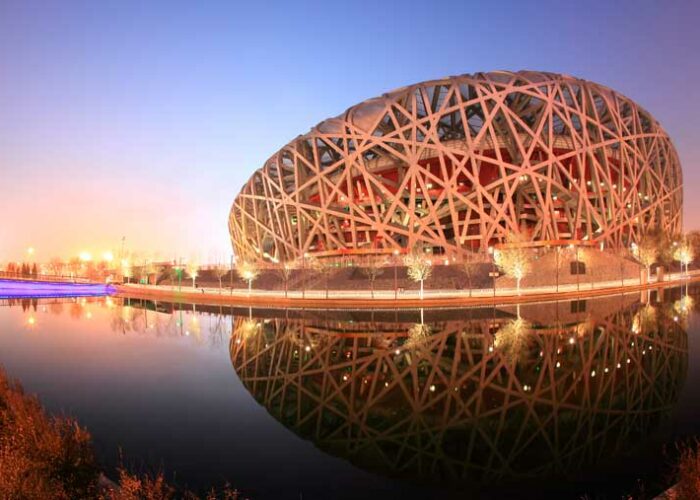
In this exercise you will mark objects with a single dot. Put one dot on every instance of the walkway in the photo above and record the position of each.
(343, 299)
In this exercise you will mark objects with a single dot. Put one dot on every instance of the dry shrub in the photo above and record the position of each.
(155, 487)
(41, 456)
(688, 486)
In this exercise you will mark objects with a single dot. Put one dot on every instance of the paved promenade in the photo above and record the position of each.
(343, 299)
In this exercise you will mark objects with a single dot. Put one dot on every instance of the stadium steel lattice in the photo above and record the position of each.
(457, 164)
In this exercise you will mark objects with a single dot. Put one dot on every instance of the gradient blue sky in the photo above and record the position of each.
(143, 119)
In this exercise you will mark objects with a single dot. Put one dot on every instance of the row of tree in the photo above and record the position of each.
(24, 269)
(514, 260)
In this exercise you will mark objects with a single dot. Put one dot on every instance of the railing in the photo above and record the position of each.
(44, 278)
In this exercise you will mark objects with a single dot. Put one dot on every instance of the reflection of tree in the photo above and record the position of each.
(417, 336)
(219, 329)
(457, 408)
(512, 340)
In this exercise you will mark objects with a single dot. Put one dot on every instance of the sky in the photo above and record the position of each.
(142, 120)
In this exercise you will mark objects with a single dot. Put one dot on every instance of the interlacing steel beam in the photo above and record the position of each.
(457, 164)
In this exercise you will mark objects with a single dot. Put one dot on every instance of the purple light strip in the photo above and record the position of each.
(27, 289)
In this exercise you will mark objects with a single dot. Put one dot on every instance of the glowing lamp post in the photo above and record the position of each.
(178, 272)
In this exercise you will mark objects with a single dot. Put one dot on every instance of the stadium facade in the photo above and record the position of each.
(457, 164)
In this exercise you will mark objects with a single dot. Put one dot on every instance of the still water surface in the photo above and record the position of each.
(557, 399)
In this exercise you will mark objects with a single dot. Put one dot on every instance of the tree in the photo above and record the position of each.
(75, 264)
(220, 271)
(284, 270)
(127, 269)
(684, 254)
(646, 253)
(321, 266)
(146, 270)
(193, 270)
(470, 265)
(418, 268)
(373, 268)
(693, 238)
(665, 243)
(248, 271)
(513, 260)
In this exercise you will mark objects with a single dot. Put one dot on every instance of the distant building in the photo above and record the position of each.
(457, 164)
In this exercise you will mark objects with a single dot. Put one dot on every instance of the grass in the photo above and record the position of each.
(44, 456)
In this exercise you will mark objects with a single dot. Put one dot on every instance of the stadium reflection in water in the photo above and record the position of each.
(479, 396)
(573, 398)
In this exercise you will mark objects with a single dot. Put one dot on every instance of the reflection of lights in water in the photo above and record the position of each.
(417, 335)
(682, 307)
(392, 388)
(31, 321)
(248, 328)
(512, 339)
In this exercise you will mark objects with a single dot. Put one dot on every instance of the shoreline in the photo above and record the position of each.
(384, 300)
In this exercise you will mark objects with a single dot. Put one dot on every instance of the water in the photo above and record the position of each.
(544, 400)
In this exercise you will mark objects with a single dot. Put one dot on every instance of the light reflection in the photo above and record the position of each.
(401, 397)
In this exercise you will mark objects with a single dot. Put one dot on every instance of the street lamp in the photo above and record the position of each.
(178, 271)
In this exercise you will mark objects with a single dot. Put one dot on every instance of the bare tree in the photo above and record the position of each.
(56, 266)
(471, 261)
(74, 265)
(284, 270)
(418, 268)
(324, 267)
(372, 269)
(220, 271)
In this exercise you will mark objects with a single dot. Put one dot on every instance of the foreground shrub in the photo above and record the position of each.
(41, 456)
(688, 472)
